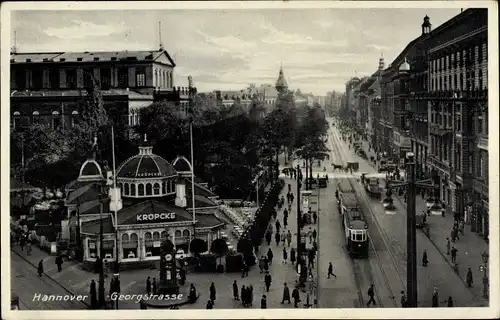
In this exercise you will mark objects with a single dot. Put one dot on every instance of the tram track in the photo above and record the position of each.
(362, 268)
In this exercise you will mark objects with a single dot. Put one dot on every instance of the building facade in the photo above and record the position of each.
(50, 88)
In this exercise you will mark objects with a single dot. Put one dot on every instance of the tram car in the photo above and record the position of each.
(372, 186)
(356, 233)
(343, 187)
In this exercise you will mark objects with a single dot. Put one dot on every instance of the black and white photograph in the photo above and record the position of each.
(241, 156)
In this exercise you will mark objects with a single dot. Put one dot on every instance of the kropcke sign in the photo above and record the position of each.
(155, 217)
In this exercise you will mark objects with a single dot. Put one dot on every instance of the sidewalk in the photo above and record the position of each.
(470, 246)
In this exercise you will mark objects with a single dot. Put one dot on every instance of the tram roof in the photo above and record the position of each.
(350, 200)
(344, 186)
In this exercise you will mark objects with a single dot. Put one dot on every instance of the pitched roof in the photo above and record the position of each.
(142, 55)
(93, 226)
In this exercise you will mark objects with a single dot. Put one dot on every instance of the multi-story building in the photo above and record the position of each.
(333, 102)
(458, 114)
(50, 87)
(374, 104)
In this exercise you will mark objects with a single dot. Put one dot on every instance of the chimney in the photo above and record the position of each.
(180, 192)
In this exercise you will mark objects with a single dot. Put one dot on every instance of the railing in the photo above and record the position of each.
(481, 186)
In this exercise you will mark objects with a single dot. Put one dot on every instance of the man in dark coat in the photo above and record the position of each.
(296, 297)
(268, 237)
(371, 294)
(266, 264)
(212, 293)
(263, 302)
(450, 302)
(330, 271)
(244, 295)
(93, 295)
(277, 238)
(453, 254)
(270, 256)
(435, 298)
(148, 285)
(155, 291)
(289, 238)
(315, 217)
(469, 278)
(292, 256)
(192, 294)
(40, 268)
(59, 262)
(404, 300)
(314, 234)
(278, 226)
(235, 291)
(425, 261)
(286, 294)
(267, 281)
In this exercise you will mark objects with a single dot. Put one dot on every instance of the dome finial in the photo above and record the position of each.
(94, 148)
(145, 137)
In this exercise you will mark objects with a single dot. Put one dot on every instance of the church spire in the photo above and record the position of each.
(281, 84)
(381, 62)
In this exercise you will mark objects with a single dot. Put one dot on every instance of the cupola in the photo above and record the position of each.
(405, 66)
(426, 26)
(281, 84)
(91, 171)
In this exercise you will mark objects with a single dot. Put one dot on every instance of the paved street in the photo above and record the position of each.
(438, 273)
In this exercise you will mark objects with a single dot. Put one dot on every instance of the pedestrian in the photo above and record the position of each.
(192, 294)
(155, 291)
(267, 281)
(40, 268)
(93, 295)
(404, 300)
(268, 237)
(425, 261)
(250, 295)
(469, 278)
(277, 238)
(285, 256)
(286, 294)
(235, 291)
(435, 298)
(448, 246)
(148, 285)
(243, 295)
(59, 262)
(291, 198)
(330, 271)
(143, 305)
(212, 293)
(455, 229)
(461, 227)
(278, 226)
(210, 305)
(244, 270)
(261, 264)
(315, 217)
(296, 297)
(285, 213)
(314, 234)
(283, 238)
(450, 302)
(371, 294)
(270, 256)
(22, 242)
(285, 222)
(289, 238)
(28, 247)
(292, 256)
(453, 254)
(263, 302)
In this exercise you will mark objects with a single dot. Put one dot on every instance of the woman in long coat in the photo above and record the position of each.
(40, 268)
(292, 256)
(286, 294)
(285, 255)
(212, 292)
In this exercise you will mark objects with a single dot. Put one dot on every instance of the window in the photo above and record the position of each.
(56, 120)
(481, 172)
(126, 189)
(74, 118)
(164, 188)
(458, 158)
(132, 189)
(169, 84)
(37, 78)
(458, 122)
(36, 117)
(92, 245)
(178, 233)
(105, 78)
(171, 77)
(130, 247)
(156, 189)
(71, 78)
(156, 78)
(480, 79)
(140, 190)
(480, 125)
(140, 77)
(185, 233)
(15, 119)
(21, 79)
(122, 77)
(88, 75)
(149, 189)
(54, 78)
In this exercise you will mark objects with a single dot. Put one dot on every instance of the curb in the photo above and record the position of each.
(49, 277)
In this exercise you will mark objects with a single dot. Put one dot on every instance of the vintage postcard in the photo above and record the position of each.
(216, 160)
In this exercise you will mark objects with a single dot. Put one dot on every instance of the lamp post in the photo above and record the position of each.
(411, 244)
(101, 250)
(192, 93)
(485, 256)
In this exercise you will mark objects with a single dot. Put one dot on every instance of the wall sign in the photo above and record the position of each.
(155, 217)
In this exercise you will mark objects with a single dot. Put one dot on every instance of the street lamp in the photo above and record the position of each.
(485, 256)
(411, 248)
(192, 93)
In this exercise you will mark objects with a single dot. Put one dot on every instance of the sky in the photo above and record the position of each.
(320, 49)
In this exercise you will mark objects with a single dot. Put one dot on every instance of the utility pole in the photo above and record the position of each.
(101, 252)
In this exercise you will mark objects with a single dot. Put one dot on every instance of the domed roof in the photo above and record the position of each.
(181, 164)
(405, 66)
(90, 171)
(145, 164)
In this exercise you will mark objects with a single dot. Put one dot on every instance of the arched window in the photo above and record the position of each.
(74, 118)
(140, 190)
(134, 237)
(185, 233)
(15, 118)
(126, 190)
(168, 186)
(164, 188)
(149, 189)
(125, 237)
(164, 235)
(156, 188)
(178, 233)
(36, 117)
(132, 189)
(156, 235)
(147, 236)
(172, 186)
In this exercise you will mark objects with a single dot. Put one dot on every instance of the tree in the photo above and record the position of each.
(219, 247)
(197, 246)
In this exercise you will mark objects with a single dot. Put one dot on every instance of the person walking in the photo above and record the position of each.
(59, 262)
(263, 302)
(148, 285)
(292, 256)
(286, 294)
(289, 238)
(212, 293)
(243, 295)
(404, 299)
(268, 237)
(330, 271)
(261, 264)
(235, 291)
(40, 268)
(278, 226)
(277, 238)
(315, 217)
(266, 265)
(283, 238)
(296, 297)
(449, 303)
(192, 294)
(425, 261)
(210, 305)
(435, 298)
(371, 294)
(244, 270)
(452, 235)
(468, 278)
(285, 255)
(267, 281)
(93, 295)
(270, 256)
(453, 254)
(314, 234)
(155, 291)
(448, 246)
(250, 294)
(285, 222)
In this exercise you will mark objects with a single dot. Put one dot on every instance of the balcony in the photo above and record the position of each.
(438, 164)
(481, 186)
(440, 129)
(482, 142)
